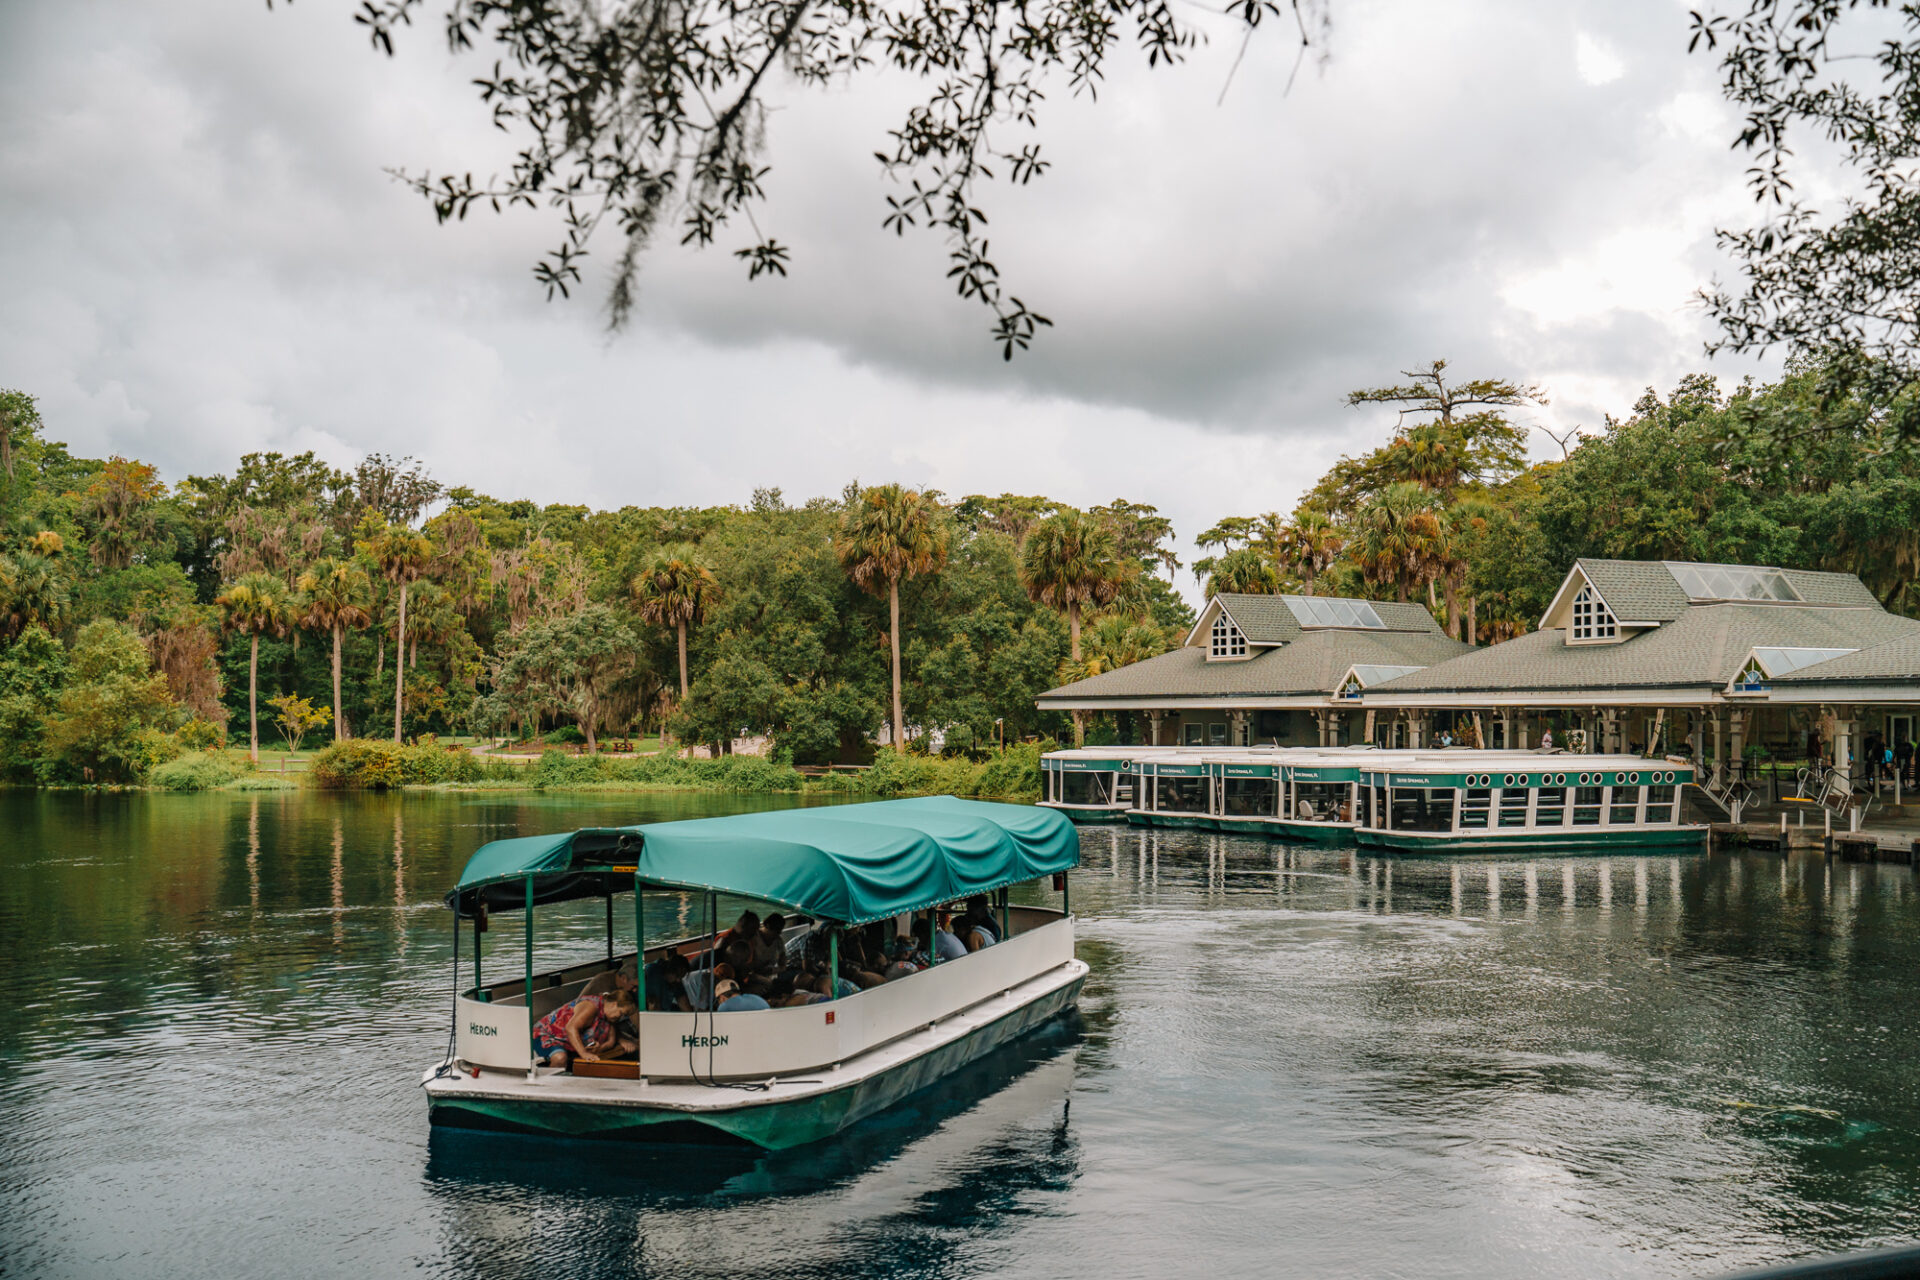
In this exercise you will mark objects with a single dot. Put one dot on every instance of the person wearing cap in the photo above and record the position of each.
(733, 1000)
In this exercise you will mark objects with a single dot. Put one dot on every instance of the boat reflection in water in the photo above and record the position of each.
(938, 1172)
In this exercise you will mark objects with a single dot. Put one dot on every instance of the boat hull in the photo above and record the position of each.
(772, 1123)
(1315, 832)
(1588, 840)
(1186, 821)
(1087, 816)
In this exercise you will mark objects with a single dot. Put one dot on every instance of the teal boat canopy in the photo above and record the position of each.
(850, 863)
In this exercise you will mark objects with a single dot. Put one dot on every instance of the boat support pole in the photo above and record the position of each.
(609, 926)
(479, 994)
(529, 986)
(833, 965)
(639, 972)
(1003, 915)
(1066, 899)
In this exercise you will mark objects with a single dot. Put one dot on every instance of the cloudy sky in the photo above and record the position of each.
(202, 255)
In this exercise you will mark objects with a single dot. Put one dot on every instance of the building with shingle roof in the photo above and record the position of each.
(1721, 659)
(1263, 668)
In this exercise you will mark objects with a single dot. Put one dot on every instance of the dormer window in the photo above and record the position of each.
(1227, 640)
(1592, 620)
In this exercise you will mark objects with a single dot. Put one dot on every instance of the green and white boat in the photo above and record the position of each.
(1288, 793)
(1536, 802)
(1088, 784)
(776, 1078)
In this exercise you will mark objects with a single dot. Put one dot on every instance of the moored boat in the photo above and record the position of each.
(1496, 801)
(776, 1077)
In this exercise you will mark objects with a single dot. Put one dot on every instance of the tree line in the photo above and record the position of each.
(139, 620)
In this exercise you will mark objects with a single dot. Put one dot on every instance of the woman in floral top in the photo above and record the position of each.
(582, 1030)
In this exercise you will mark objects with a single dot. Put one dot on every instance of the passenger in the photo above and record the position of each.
(865, 971)
(977, 927)
(946, 943)
(734, 1000)
(770, 946)
(698, 985)
(622, 978)
(736, 944)
(580, 1031)
(903, 958)
(787, 994)
(666, 983)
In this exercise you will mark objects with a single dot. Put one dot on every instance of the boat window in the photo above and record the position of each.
(1193, 735)
(1181, 795)
(1086, 788)
(1660, 803)
(1624, 806)
(1422, 808)
(1476, 807)
(1250, 797)
(1513, 806)
(1551, 809)
(1586, 806)
(1323, 801)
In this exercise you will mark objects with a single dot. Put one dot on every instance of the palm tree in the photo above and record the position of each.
(1401, 539)
(337, 595)
(1310, 545)
(32, 591)
(891, 533)
(1072, 562)
(256, 604)
(675, 591)
(1242, 571)
(1114, 640)
(402, 556)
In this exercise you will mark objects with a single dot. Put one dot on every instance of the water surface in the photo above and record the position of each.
(1291, 1061)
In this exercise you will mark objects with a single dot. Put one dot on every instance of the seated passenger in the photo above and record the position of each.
(734, 1000)
(698, 984)
(787, 994)
(581, 1031)
(769, 953)
(946, 943)
(666, 983)
(904, 958)
(977, 927)
(863, 970)
(622, 978)
(736, 944)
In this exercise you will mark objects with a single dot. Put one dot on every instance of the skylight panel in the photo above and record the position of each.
(1331, 611)
(1733, 582)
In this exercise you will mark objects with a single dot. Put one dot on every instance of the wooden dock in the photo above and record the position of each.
(1897, 844)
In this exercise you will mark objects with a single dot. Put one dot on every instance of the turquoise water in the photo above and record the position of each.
(1291, 1061)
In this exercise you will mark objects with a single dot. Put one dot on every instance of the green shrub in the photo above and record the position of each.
(197, 771)
(374, 765)
(1013, 775)
(565, 735)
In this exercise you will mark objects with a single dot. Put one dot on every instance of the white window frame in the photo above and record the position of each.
(1591, 621)
(1226, 640)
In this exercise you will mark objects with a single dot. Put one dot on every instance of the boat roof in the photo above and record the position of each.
(851, 863)
(1451, 764)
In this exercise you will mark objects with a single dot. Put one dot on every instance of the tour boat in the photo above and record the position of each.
(1088, 784)
(1492, 801)
(1291, 793)
(781, 1077)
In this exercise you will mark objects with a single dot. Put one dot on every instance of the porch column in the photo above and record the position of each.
(1153, 728)
(1519, 732)
(1320, 727)
(1736, 738)
(1614, 744)
(1237, 728)
(1843, 729)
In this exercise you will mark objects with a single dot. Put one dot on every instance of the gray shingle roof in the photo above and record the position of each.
(1893, 660)
(1702, 648)
(1264, 619)
(1636, 590)
(1308, 667)
(1646, 590)
(1842, 589)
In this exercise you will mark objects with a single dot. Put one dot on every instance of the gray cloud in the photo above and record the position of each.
(205, 257)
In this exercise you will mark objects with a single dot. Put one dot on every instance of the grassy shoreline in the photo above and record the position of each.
(369, 765)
